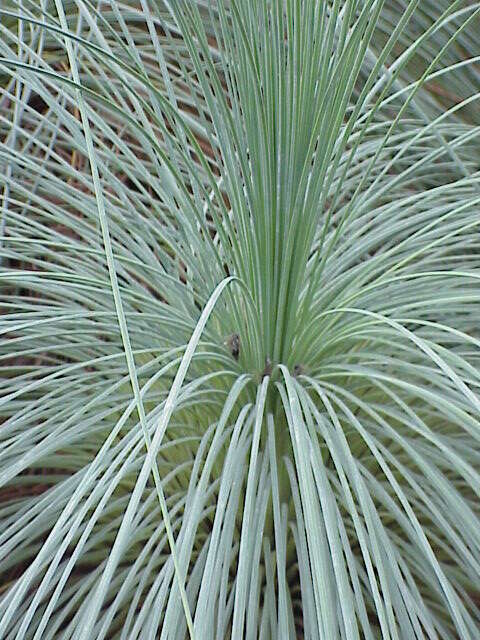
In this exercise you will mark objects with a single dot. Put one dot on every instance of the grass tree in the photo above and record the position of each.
(240, 342)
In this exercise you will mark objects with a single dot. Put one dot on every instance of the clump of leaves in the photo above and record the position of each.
(240, 341)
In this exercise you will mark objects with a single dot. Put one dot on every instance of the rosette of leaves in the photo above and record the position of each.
(240, 319)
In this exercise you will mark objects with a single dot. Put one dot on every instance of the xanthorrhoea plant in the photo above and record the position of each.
(240, 342)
